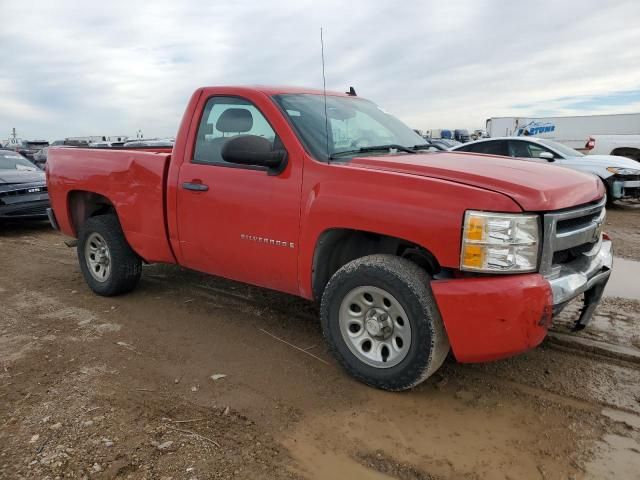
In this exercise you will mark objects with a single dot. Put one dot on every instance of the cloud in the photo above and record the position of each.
(78, 69)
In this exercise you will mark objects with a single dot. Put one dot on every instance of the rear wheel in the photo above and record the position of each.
(109, 265)
(382, 324)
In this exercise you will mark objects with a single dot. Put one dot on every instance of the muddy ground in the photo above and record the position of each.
(93, 387)
(623, 225)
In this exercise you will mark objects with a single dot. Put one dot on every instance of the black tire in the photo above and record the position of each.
(125, 264)
(410, 285)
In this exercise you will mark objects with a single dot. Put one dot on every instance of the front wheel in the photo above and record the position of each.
(109, 265)
(382, 324)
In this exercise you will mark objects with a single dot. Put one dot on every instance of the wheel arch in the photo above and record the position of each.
(336, 247)
(83, 205)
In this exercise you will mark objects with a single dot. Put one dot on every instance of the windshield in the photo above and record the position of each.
(353, 123)
(14, 161)
(562, 149)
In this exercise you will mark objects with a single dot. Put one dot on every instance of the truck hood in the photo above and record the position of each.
(534, 186)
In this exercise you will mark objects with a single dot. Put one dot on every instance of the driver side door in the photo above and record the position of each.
(238, 221)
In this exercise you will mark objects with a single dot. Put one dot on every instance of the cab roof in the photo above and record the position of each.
(277, 90)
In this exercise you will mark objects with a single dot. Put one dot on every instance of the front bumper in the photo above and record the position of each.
(493, 317)
(36, 210)
(588, 275)
(624, 186)
(24, 201)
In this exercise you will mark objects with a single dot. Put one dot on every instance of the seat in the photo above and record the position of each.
(236, 120)
(232, 120)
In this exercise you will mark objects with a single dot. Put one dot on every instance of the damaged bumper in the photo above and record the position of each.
(624, 186)
(588, 275)
(493, 317)
(496, 316)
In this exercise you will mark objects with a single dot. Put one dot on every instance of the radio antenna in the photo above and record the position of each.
(324, 92)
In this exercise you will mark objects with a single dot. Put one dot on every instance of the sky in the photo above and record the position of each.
(75, 68)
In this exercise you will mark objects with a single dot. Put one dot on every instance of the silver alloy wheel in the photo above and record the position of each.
(98, 257)
(375, 327)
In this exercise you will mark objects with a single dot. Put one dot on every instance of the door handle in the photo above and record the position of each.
(196, 187)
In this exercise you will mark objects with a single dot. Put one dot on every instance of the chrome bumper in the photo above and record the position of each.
(588, 275)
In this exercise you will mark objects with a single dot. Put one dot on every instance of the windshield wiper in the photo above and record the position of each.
(374, 148)
(423, 146)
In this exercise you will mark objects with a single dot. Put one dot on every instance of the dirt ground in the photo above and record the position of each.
(131, 387)
(623, 225)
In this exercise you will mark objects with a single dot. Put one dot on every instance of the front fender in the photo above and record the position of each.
(424, 211)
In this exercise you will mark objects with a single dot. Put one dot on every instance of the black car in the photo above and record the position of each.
(461, 135)
(23, 188)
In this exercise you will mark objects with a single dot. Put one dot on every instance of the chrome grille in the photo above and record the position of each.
(570, 234)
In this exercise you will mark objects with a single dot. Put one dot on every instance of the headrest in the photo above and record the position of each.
(235, 120)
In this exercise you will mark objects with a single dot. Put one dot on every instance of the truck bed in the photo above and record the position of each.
(132, 181)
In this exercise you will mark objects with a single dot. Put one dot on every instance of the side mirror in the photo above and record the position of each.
(548, 156)
(253, 150)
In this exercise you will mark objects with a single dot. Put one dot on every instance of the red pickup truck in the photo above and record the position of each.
(409, 251)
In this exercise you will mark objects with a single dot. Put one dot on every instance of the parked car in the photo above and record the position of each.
(23, 189)
(478, 134)
(28, 148)
(620, 175)
(70, 142)
(149, 143)
(40, 157)
(408, 252)
(106, 144)
(429, 145)
(620, 145)
(445, 143)
(461, 135)
(572, 131)
(446, 134)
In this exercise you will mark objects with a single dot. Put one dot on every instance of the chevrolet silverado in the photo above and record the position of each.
(409, 252)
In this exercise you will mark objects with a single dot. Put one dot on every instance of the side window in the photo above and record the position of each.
(520, 149)
(466, 148)
(224, 118)
(536, 150)
(499, 147)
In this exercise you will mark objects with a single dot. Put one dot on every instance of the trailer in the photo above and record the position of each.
(573, 132)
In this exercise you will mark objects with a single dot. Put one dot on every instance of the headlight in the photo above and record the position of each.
(623, 171)
(499, 242)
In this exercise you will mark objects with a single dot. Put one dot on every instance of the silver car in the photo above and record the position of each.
(620, 175)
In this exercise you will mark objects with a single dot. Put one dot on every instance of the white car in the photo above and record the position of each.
(620, 175)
